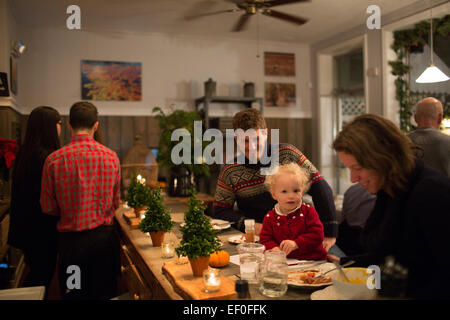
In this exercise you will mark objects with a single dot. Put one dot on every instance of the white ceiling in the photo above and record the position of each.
(326, 17)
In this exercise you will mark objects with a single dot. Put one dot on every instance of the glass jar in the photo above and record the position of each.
(274, 274)
(251, 256)
(249, 230)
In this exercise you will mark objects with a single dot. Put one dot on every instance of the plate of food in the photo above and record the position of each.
(217, 224)
(310, 277)
(240, 239)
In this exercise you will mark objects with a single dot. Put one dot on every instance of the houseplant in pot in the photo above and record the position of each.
(181, 175)
(138, 194)
(157, 220)
(199, 238)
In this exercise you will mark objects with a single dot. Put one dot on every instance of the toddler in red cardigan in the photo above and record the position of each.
(292, 226)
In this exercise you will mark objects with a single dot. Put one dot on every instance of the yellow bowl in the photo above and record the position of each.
(357, 288)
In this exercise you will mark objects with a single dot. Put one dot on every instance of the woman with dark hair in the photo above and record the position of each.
(411, 215)
(30, 229)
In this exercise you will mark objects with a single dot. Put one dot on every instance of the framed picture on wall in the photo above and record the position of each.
(279, 64)
(13, 75)
(110, 80)
(280, 94)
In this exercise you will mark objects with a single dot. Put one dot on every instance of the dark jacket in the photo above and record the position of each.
(413, 228)
(29, 227)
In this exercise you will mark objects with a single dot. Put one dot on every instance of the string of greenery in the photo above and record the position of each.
(406, 42)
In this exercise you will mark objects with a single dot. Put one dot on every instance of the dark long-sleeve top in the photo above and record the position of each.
(413, 228)
(27, 222)
(244, 184)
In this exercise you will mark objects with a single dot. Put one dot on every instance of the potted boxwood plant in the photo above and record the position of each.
(137, 194)
(157, 220)
(183, 173)
(199, 238)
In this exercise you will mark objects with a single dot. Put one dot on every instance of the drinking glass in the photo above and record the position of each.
(274, 274)
(250, 257)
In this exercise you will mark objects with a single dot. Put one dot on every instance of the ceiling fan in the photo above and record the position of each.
(251, 7)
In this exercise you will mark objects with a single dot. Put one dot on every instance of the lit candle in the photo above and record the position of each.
(168, 250)
(211, 279)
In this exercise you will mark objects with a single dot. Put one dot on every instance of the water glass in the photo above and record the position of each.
(251, 256)
(274, 274)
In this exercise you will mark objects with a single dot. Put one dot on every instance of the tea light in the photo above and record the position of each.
(211, 280)
(182, 260)
(168, 250)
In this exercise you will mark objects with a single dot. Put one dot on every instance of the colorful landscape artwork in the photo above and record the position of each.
(109, 80)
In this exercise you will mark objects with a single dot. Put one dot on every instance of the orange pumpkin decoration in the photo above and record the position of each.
(219, 258)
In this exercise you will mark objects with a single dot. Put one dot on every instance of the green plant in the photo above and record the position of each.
(138, 193)
(168, 123)
(405, 42)
(199, 238)
(157, 216)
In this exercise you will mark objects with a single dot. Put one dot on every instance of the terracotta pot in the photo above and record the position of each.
(157, 238)
(198, 265)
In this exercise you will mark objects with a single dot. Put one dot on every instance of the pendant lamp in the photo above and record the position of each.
(431, 74)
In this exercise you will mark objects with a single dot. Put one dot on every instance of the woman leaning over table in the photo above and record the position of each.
(411, 216)
(30, 229)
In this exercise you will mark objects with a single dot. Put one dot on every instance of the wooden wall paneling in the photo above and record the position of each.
(126, 135)
(112, 132)
(153, 132)
(140, 127)
(103, 129)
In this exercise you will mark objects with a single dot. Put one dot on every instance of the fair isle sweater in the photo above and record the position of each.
(243, 184)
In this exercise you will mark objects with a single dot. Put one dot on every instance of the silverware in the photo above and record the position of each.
(338, 267)
(341, 272)
(306, 264)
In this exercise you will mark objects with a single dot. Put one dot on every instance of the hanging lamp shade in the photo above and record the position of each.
(432, 74)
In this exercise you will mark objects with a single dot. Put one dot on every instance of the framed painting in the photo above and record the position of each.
(279, 64)
(280, 94)
(110, 80)
(13, 75)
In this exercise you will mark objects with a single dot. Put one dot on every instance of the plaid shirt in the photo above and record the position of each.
(81, 183)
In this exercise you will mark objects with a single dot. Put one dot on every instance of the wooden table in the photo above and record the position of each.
(142, 263)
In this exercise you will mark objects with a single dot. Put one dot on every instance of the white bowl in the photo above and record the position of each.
(357, 288)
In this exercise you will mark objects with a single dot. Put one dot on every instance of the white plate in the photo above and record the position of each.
(329, 293)
(239, 239)
(295, 272)
(217, 224)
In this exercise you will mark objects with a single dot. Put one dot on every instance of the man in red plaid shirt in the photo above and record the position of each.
(81, 185)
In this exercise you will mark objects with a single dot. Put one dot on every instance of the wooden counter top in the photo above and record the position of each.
(147, 259)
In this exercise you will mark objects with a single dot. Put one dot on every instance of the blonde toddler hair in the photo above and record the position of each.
(290, 168)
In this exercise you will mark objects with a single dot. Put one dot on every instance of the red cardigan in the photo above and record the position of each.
(303, 226)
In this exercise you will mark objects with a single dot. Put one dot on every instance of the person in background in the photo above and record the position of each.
(356, 209)
(30, 230)
(81, 185)
(410, 219)
(243, 184)
(435, 144)
(292, 226)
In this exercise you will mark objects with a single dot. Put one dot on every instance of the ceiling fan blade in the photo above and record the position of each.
(200, 15)
(274, 3)
(284, 16)
(242, 22)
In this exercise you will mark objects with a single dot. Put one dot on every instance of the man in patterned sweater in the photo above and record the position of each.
(243, 183)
